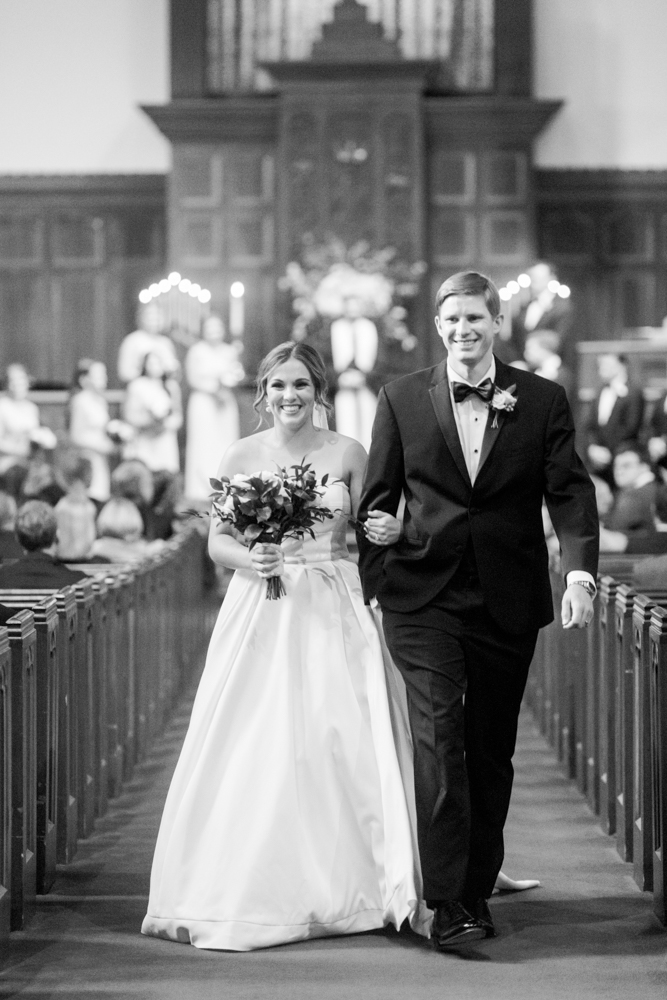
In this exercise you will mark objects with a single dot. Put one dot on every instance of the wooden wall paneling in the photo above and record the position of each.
(188, 20)
(514, 47)
(5, 782)
(74, 253)
(604, 231)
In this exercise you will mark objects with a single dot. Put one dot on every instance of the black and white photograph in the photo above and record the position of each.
(333, 499)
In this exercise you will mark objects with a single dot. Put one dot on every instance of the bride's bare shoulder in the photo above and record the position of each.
(244, 455)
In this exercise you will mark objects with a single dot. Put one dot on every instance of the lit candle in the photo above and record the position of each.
(237, 309)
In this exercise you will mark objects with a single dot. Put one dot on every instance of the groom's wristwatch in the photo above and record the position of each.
(587, 585)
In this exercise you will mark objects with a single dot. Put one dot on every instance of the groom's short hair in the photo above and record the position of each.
(469, 283)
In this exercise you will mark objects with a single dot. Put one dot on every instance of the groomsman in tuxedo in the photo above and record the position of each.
(474, 446)
(616, 416)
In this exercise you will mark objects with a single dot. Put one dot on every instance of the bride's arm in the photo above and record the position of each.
(224, 549)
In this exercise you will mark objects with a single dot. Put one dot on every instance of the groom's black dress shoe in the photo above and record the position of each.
(479, 911)
(453, 925)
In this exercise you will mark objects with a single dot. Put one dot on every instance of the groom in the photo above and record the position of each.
(474, 446)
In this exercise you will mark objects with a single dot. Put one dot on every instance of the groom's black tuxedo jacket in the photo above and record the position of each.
(528, 456)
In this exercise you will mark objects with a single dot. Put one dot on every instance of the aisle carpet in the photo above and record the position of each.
(588, 932)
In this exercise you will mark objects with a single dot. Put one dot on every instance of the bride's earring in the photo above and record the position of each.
(268, 407)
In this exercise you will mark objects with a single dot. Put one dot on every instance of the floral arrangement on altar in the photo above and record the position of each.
(269, 506)
(330, 274)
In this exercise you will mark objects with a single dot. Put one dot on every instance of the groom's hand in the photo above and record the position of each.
(577, 607)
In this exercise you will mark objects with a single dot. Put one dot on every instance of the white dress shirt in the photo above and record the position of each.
(471, 416)
(608, 396)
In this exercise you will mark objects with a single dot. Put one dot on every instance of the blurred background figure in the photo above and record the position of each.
(657, 431)
(120, 533)
(616, 415)
(630, 524)
(544, 310)
(88, 420)
(38, 567)
(354, 349)
(9, 544)
(156, 495)
(19, 423)
(149, 337)
(541, 355)
(153, 409)
(75, 512)
(212, 370)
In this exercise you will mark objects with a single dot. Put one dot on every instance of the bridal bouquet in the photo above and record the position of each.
(270, 506)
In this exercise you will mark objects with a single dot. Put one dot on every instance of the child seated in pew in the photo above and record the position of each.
(9, 543)
(38, 568)
(75, 512)
(120, 530)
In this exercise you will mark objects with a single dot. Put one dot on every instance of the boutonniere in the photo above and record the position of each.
(502, 400)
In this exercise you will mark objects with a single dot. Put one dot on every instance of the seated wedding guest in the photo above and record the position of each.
(9, 545)
(148, 338)
(88, 421)
(133, 481)
(153, 409)
(37, 530)
(120, 529)
(19, 422)
(616, 415)
(43, 479)
(541, 354)
(650, 574)
(75, 512)
(630, 524)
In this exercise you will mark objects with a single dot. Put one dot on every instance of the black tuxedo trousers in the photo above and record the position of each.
(465, 678)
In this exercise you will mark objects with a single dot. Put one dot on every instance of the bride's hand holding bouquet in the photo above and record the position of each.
(266, 507)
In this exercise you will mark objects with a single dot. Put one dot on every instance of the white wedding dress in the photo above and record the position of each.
(290, 811)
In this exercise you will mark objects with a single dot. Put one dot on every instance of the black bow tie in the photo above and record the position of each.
(484, 390)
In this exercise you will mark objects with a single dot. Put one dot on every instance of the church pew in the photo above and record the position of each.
(67, 712)
(607, 704)
(624, 717)
(642, 826)
(86, 714)
(23, 836)
(5, 782)
(658, 743)
(100, 700)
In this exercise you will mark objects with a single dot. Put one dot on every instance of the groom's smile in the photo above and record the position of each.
(467, 329)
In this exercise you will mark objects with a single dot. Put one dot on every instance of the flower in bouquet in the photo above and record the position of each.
(266, 507)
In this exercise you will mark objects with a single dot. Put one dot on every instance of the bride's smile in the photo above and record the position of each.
(290, 394)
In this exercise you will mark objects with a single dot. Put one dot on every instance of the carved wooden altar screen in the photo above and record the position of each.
(403, 122)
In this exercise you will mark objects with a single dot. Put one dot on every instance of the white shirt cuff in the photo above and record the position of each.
(575, 575)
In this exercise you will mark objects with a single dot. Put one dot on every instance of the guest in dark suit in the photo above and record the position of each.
(630, 524)
(9, 543)
(615, 417)
(657, 431)
(37, 529)
(474, 446)
(544, 310)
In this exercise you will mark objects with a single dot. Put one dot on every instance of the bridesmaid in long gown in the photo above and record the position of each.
(289, 813)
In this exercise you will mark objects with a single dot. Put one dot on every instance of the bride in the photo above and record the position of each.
(291, 811)
(288, 815)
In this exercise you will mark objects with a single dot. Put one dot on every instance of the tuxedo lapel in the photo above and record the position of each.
(497, 417)
(442, 404)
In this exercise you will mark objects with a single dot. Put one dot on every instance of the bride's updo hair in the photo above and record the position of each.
(291, 350)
